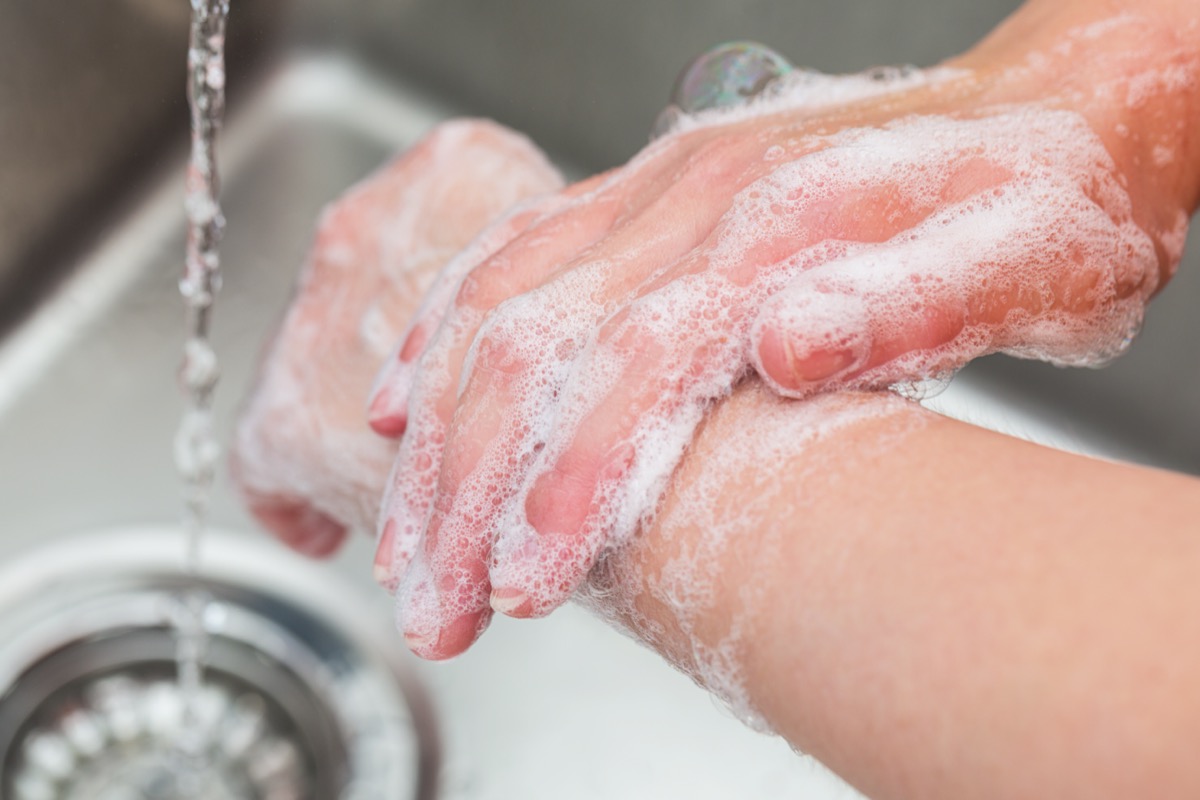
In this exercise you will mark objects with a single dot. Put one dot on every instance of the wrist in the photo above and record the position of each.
(1133, 70)
(735, 544)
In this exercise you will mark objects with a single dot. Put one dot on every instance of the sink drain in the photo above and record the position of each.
(302, 700)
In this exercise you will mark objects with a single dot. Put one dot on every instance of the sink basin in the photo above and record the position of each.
(562, 707)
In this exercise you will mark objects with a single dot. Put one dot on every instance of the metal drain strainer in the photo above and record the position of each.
(123, 733)
(299, 700)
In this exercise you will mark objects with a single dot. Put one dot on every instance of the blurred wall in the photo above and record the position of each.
(90, 94)
(587, 78)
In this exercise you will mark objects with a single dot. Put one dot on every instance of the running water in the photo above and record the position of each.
(196, 448)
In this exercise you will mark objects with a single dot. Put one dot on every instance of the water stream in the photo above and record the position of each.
(197, 452)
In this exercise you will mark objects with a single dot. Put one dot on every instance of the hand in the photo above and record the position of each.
(305, 460)
(310, 467)
(829, 244)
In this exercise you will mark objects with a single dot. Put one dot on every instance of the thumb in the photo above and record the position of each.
(861, 323)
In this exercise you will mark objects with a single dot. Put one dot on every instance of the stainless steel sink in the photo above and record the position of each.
(88, 403)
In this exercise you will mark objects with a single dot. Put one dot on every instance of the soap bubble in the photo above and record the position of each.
(727, 75)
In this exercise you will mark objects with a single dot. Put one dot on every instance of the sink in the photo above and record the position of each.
(89, 403)
(324, 92)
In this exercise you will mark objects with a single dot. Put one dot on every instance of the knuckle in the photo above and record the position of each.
(488, 284)
(719, 157)
(497, 347)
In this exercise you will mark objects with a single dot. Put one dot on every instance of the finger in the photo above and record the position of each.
(299, 525)
(442, 604)
(640, 251)
(504, 168)
(421, 613)
(410, 493)
(641, 213)
(516, 268)
(586, 211)
(621, 426)
(994, 274)
(548, 327)
(419, 468)
(592, 479)
(388, 404)
(598, 485)
(447, 598)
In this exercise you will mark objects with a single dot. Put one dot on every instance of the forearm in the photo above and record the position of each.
(1131, 66)
(931, 609)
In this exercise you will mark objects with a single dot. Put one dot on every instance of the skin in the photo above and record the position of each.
(466, 386)
(932, 610)
(1011, 623)
(376, 253)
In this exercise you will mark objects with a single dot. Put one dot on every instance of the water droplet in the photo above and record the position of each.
(923, 388)
(200, 369)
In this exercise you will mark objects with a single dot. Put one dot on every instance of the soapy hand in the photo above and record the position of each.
(306, 461)
(843, 233)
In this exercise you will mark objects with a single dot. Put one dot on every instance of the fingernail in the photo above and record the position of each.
(382, 569)
(820, 365)
(417, 613)
(302, 527)
(420, 643)
(512, 602)
(385, 418)
(413, 345)
(808, 337)
(325, 535)
(448, 640)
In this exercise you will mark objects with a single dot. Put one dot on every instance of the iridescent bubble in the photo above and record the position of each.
(727, 75)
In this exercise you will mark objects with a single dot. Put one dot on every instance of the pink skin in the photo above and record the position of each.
(388, 410)
(305, 460)
(1048, 637)
(578, 274)
(486, 511)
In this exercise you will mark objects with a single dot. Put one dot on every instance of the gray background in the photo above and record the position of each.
(587, 78)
